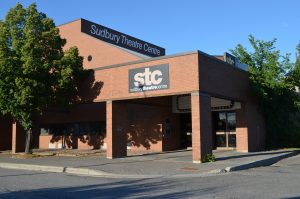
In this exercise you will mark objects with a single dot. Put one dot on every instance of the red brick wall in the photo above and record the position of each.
(74, 142)
(256, 127)
(183, 69)
(45, 140)
(241, 129)
(18, 138)
(183, 78)
(201, 126)
(117, 128)
(145, 126)
(103, 54)
(216, 79)
(147, 119)
(144, 123)
(223, 80)
(79, 113)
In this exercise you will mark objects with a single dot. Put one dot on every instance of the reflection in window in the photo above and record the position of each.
(221, 140)
(221, 124)
(231, 121)
(83, 128)
(231, 140)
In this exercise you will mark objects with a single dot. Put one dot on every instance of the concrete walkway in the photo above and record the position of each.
(171, 164)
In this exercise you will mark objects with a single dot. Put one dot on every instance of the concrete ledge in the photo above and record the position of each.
(85, 171)
(31, 167)
(98, 173)
(72, 171)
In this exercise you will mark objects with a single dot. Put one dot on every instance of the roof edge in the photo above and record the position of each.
(69, 22)
(146, 60)
(218, 60)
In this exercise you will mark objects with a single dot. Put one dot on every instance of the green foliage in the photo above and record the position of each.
(35, 72)
(294, 76)
(208, 158)
(274, 78)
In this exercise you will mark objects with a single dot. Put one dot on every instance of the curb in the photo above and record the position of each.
(254, 164)
(261, 163)
(72, 171)
(99, 173)
(32, 167)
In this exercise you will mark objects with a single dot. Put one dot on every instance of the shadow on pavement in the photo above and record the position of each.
(253, 154)
(158, 153)
(24, 174)
(124, 189)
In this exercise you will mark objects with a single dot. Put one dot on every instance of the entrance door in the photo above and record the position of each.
(225, 129)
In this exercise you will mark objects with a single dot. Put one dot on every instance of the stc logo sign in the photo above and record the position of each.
(149, 78)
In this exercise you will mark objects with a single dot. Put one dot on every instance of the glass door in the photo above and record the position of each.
(225, 128)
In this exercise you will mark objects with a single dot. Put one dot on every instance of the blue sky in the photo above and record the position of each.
(212, 26)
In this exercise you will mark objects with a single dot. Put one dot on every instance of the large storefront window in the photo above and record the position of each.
(77, 129)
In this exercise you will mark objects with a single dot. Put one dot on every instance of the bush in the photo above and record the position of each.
(208, 158)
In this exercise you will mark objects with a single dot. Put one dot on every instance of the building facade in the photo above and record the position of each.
(138, 98)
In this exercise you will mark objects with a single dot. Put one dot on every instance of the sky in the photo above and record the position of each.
(212, 26)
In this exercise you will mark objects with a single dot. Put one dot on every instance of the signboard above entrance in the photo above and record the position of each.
(148, 78)
(120, 39)
(232, 60)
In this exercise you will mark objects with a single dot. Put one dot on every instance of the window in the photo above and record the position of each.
(81, 128)
(225, 128)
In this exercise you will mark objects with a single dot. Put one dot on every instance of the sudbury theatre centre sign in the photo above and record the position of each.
(120, 39)
(149, 78)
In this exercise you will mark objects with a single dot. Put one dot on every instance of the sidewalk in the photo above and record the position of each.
(171, 164)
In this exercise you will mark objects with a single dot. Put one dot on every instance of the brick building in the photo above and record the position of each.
(140, 99)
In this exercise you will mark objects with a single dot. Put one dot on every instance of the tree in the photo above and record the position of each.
(294, 76)
(273, 78)
(35, 72)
